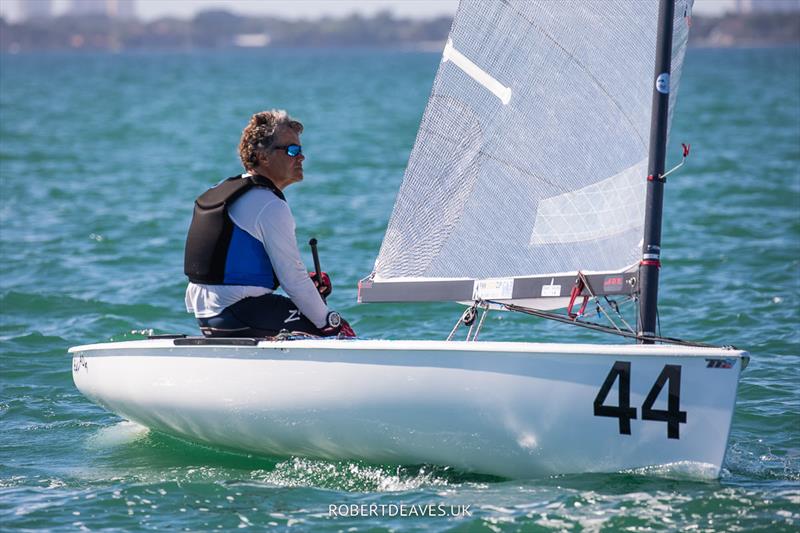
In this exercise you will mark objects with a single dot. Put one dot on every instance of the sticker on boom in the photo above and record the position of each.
(550, 291)
(613, 283)
(493, 289)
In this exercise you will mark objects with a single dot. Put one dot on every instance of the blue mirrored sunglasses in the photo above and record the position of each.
(292, 150)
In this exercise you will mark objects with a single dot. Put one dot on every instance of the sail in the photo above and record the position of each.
(531, 157)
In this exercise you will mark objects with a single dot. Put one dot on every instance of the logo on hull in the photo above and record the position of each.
(720, 363)
(78, 363)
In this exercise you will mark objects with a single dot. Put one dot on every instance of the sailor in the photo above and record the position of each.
(241, 245)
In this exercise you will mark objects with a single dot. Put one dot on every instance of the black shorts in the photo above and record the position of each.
(262, 316)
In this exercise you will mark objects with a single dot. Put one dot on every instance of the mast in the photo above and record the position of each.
(651, 247)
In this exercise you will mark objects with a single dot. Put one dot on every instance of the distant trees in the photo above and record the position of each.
(755, 29)
(222, 29)
(217, 29)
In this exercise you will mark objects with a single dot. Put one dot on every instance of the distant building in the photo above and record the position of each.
(116, 9)
(767, 6)
(35, 9)
(251, 40)
(122, 9)
(87, 7)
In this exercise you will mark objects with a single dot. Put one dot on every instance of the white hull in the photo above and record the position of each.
(508, 409)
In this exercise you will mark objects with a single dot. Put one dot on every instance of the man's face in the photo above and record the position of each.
(281, 168)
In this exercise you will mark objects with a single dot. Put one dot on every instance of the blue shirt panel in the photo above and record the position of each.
(247, 262)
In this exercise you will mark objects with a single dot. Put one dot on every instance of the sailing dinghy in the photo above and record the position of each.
(535, 184)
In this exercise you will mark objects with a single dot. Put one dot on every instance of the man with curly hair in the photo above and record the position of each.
(241, 245)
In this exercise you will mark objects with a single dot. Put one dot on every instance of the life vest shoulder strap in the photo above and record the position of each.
(229, 190)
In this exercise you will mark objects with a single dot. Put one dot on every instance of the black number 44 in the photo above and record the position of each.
(673, 416)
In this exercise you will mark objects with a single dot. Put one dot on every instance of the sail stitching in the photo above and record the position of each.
(487, 155)
(584, 68)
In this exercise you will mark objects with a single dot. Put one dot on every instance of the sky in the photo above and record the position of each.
(293, 9)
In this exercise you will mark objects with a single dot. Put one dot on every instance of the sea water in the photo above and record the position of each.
(101, 157)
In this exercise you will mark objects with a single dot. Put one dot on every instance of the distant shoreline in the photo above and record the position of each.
(352, 49)
(220, 30)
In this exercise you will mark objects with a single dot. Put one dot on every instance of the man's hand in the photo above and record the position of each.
(323, 285)
(341, 330)
(346, 331)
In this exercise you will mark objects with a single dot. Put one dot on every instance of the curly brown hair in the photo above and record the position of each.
(259, 134)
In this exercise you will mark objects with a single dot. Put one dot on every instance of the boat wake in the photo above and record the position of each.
(355, 476)
(757, 460)
(688, 470)
(347, 476)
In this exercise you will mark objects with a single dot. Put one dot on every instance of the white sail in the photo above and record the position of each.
(531, 158)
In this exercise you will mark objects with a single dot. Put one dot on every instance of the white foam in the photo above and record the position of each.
(122, 433)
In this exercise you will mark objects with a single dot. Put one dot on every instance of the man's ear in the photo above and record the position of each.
(259, 159)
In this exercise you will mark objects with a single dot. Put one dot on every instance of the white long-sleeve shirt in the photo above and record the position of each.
(267, 218)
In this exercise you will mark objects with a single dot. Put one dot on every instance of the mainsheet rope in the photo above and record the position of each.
(600, 327)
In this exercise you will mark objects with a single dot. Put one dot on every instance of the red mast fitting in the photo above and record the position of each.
(577, 289)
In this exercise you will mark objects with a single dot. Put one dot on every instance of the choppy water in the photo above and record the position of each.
(100, 159)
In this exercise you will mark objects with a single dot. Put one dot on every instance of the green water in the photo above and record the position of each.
(100, 159)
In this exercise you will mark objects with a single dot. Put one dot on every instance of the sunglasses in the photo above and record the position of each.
(292, 150)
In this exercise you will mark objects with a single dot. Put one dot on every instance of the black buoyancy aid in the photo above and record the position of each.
(211, 229)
